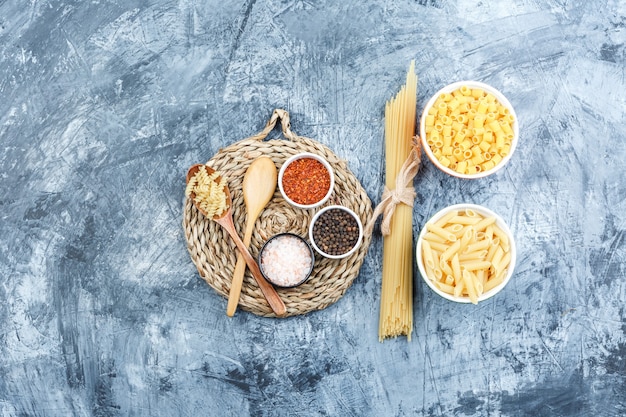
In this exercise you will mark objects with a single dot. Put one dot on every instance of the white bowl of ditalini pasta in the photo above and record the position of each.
(469, 129)
(466, 253)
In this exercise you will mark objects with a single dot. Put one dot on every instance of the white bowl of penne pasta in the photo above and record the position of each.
(466, 253)
(469, 129)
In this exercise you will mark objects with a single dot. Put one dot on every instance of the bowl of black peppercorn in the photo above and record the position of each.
(336, 232)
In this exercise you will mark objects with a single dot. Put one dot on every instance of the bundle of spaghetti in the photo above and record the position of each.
(396, 304)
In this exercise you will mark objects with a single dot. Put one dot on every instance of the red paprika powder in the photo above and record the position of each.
(306, 181)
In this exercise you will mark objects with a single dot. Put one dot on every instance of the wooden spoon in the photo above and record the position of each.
(259, 184)
(226, 221)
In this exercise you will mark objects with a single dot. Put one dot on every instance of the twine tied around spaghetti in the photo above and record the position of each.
(403, 193)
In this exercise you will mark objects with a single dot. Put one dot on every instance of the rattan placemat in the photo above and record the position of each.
(215, 255)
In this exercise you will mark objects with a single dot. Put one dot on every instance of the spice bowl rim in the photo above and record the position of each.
(485, 212)
(278, 235)
(356, 245)
(303, 155)
(448, 89)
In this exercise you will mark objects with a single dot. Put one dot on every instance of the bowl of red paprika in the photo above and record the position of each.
(306, 180)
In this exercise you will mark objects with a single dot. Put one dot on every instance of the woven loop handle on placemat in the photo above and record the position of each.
(214, 253)
(271, 123)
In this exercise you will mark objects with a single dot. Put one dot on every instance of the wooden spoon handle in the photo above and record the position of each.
(240, 269)
(270, 294)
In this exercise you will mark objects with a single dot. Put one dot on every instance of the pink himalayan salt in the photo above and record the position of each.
(286, 260)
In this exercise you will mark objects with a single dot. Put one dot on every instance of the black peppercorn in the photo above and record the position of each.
(336, 232)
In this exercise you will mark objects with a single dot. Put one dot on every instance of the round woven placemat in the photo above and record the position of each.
(214, 253)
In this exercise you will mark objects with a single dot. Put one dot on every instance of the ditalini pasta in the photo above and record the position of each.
(396, 305)
(209, 192)
(471, 261)
(469, 130)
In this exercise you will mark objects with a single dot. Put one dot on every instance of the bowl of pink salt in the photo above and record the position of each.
(286, 260)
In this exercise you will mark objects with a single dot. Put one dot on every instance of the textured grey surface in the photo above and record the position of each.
(104, 105)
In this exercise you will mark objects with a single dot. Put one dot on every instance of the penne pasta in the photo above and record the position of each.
(441, 232)
(481, 225)
(475, 265)
(467, 237)
(451, 251)
(456, 269)
(446, 268)
(449, 280)
(467, 252)
(503, 264)
(459, 288)
(492, 283)
(478, 245)
(431, 237)
(445, 287)
(504, 240)
(428, 255)
(469, 285)
(497, 256)
(454, 228)
(478, 255)
(465, 220)
(438, 246)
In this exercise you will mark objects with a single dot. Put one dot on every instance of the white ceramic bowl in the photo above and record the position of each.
(484, 212)
(356, 245)
(449, 89)
(284, 260)
(302, 156)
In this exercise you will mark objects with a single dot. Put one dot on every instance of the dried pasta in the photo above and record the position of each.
(208, 190)
(396, 306)
(469, 130)
(478, 261)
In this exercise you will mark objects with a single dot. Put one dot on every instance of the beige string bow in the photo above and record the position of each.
(403, 193)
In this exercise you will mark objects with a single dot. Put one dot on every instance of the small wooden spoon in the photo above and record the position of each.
(226, 221)
(259, 185)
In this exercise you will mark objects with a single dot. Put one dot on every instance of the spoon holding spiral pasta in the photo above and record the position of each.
(210, 194)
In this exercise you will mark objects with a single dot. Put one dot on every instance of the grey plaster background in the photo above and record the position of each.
(105, 104)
